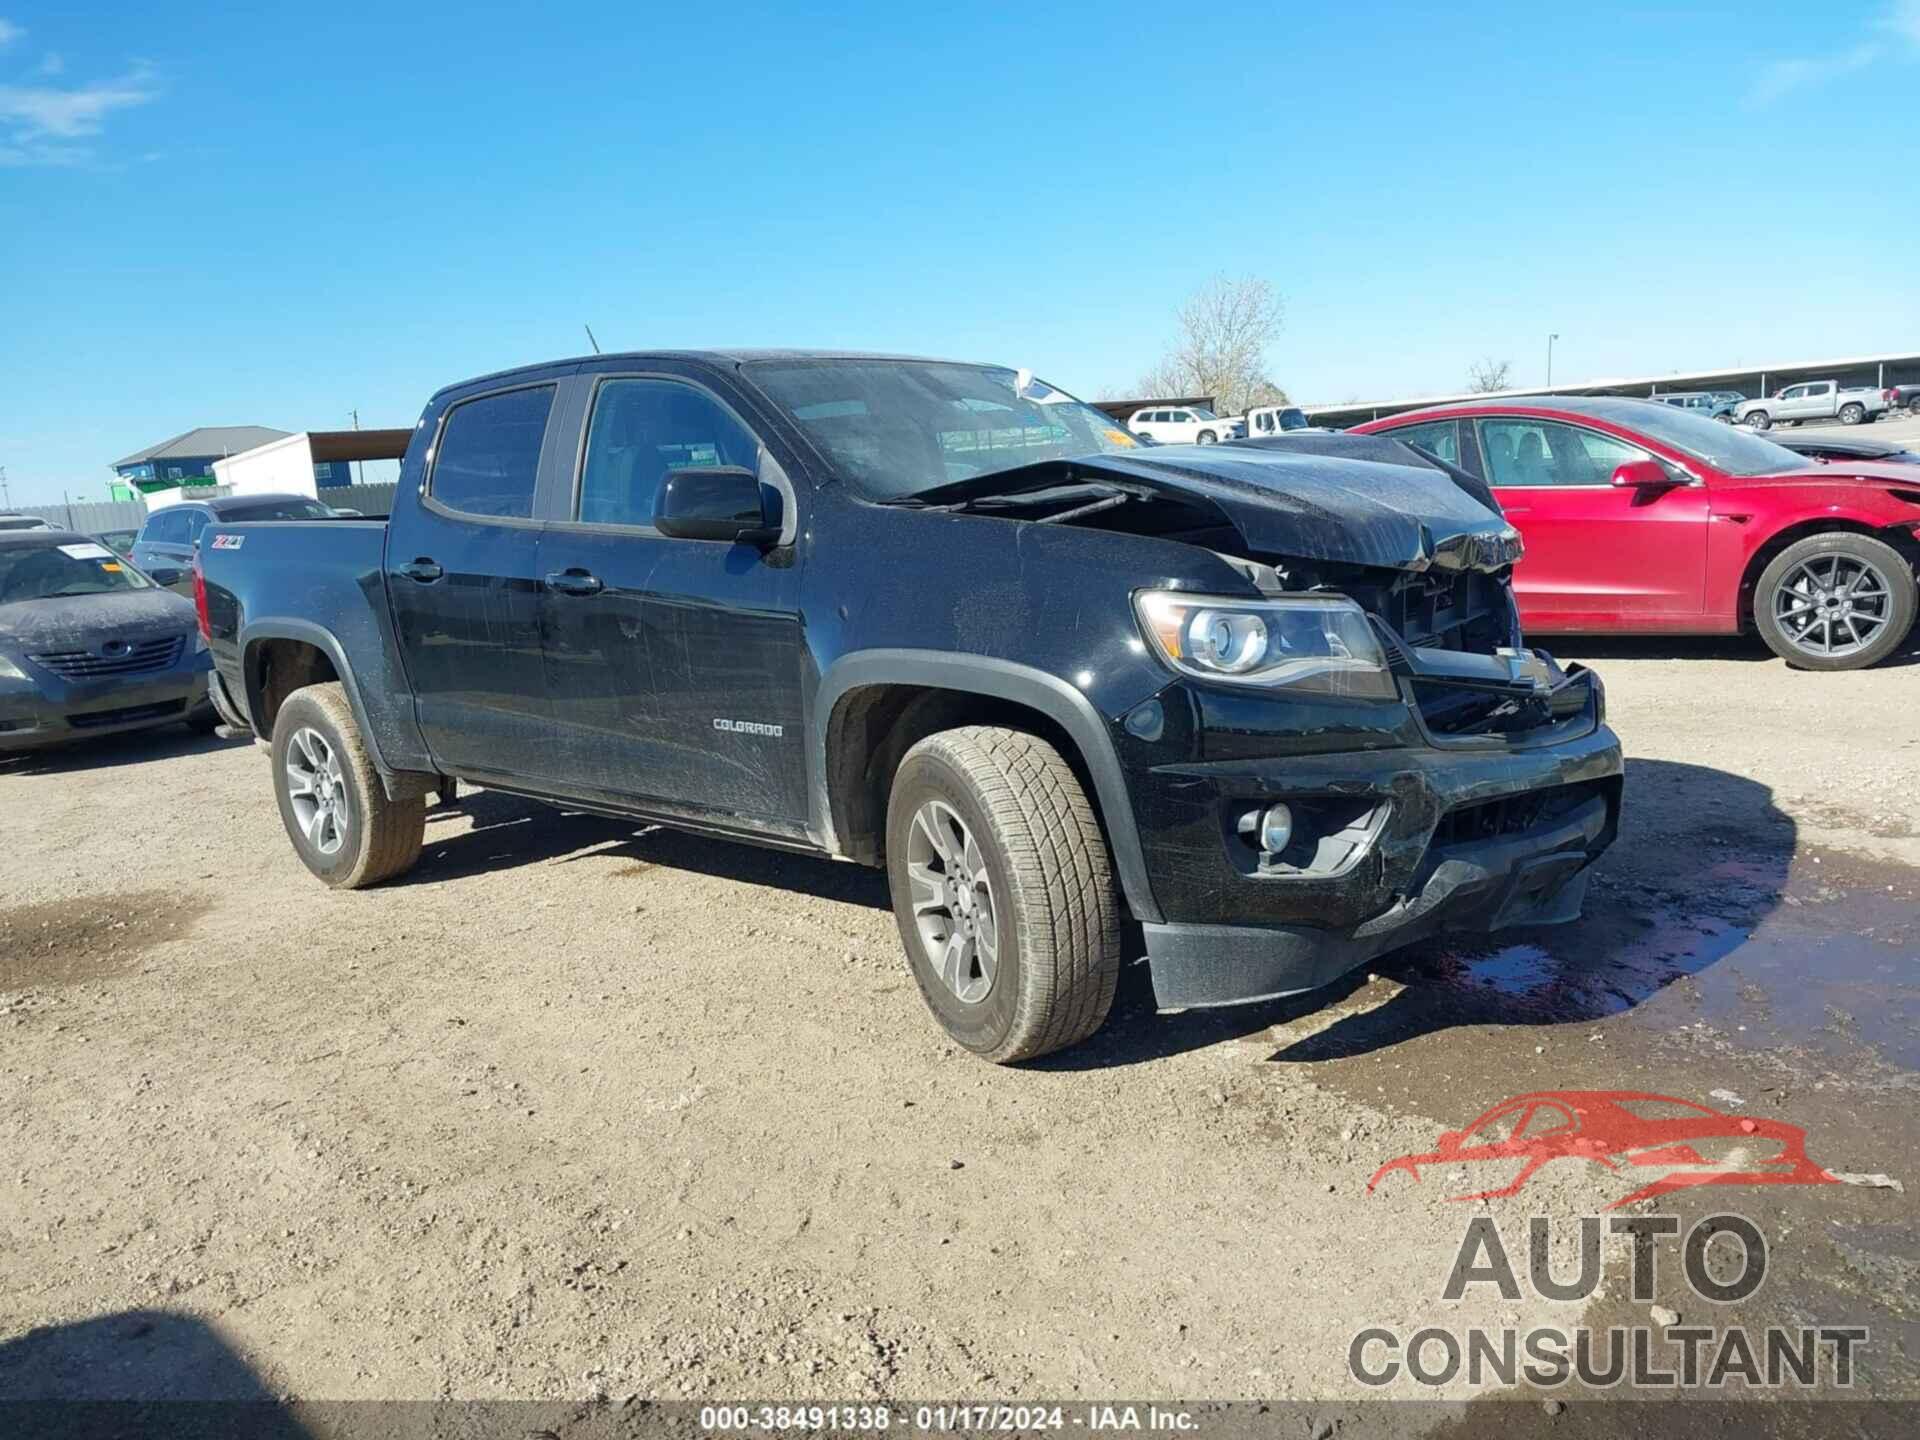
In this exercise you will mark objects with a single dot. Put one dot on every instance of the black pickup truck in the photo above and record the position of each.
(1270, 705)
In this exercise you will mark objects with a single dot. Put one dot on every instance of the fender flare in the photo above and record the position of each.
(398, 783)
(1002, 680)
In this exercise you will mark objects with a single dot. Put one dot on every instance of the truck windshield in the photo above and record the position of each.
(893, 428)
(46, 572)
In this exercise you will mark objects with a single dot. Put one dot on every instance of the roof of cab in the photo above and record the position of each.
(721, 357)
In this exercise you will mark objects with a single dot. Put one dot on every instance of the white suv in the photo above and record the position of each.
(1183, 425)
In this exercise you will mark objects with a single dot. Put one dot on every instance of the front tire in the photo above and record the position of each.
(1206, 437)
(1852, 414)
(1835, 602)
(337, 812)
(1759, 420)
(1003, 891)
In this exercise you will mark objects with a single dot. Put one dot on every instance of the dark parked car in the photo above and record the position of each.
(1904, 397)
(1714, 404)
(165, 545)
(947, 620)
(90, 646)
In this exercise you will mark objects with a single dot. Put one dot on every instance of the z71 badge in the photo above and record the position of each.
(228, 542)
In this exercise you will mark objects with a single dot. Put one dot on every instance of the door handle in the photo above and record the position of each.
(573, 582)
(423, 570)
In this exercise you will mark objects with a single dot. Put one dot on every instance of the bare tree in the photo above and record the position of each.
(1487, 375)
(1225, 328)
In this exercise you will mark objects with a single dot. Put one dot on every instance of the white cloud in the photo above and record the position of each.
(69, 113)
(1780, 78)
(9, 32)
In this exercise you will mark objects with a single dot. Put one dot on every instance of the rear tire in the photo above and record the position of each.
(342, 824)
(991, 826)
(1759, 420)
(1781, 584)
(1852, 414)
(1913, 407)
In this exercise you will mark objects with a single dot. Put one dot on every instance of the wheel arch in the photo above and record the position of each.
(280, 656)
(1900, 537)
(873, 706)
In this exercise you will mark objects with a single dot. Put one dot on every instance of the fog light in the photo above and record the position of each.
(1276, 829)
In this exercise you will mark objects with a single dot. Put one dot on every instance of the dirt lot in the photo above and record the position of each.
(577, 1110)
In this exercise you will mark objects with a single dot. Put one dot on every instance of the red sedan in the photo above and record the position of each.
(1641, 518)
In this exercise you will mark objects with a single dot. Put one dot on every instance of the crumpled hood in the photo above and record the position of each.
(1882, 474)
(82, 622)
(1314, 506)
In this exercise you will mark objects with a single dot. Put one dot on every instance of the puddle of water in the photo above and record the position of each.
(1830, 976)
(69, 942)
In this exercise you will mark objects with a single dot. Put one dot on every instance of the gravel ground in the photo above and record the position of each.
(577, 1109)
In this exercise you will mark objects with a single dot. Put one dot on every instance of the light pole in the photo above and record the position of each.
(1550, 340)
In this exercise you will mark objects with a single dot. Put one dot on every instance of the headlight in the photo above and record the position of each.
(1319, 643)
(10, 671)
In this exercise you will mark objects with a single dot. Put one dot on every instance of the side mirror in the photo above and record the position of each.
(1643, 475)
(720, 502)
(166, 576)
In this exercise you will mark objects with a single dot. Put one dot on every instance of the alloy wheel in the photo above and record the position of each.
(1832, 605)
(317, 790)
(954, 905)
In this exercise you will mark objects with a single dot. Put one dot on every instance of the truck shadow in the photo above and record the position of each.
(135, 1372)
(508, 830)
(1679, 892)
(1703, 857)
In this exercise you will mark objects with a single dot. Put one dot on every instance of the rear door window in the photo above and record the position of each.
(488, 455)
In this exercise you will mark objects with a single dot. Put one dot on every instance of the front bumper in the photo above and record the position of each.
(1449, 838)
(1537, 878)
(48, 710)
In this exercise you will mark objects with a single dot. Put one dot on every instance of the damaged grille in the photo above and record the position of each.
(1512, 814)
(1439, 610)
(1464, 613)
(126, 659)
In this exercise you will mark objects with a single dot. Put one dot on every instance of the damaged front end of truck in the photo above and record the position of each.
(1436, 772)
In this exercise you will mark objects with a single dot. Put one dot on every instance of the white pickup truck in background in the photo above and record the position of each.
(1813, 400)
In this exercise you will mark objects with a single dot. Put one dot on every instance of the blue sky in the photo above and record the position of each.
(254, 216)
